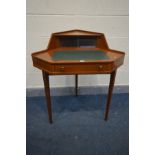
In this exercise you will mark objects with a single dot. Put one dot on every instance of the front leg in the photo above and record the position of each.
(111, 86)
(47, 94)
(76, 84)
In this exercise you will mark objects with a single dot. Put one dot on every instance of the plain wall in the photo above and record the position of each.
(45, 17)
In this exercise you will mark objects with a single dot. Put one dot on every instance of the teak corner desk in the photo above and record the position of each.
(77, 52)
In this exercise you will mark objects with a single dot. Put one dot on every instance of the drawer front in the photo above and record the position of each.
(43, 65)
(82, 68)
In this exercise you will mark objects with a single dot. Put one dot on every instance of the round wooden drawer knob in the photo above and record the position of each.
(100, 67)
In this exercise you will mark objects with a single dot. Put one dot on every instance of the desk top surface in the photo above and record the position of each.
(71, 55)
(79, 55)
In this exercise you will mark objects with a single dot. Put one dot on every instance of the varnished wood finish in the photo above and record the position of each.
(82, 69)
(47, 94)
(44, 61)
(111, 86)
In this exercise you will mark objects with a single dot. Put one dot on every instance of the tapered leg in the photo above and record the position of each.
(47, 94)
(76, 84)
(111, 86)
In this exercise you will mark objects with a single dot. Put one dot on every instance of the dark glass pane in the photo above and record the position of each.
(87, 41)
(78, 41)
(68, 41)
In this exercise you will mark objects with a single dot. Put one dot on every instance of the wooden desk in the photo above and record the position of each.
(77, 52)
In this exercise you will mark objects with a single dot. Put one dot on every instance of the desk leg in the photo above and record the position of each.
(47, 94)
(76, 84)
(111, 86)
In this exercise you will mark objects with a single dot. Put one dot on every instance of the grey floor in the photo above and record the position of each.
(78, 127)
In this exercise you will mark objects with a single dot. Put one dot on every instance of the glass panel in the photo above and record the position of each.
(78, 41)
(68, 41)
(87, 41)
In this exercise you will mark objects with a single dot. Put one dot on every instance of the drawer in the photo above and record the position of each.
(82, 68)
(43, 65)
